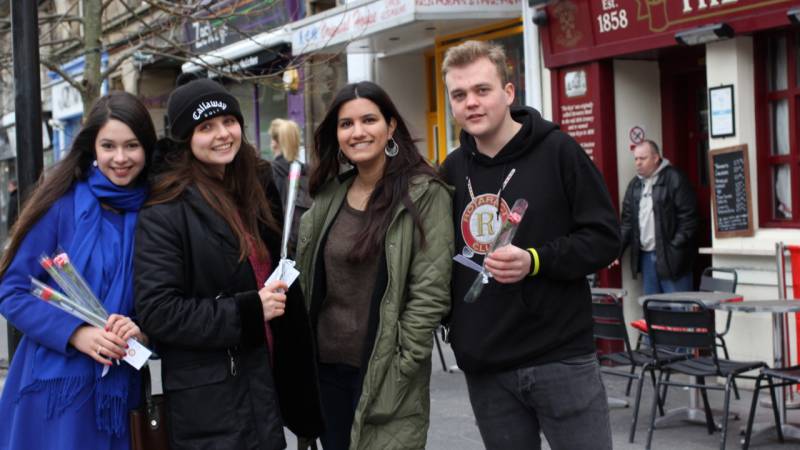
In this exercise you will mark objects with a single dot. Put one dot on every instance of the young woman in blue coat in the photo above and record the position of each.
(55, 395)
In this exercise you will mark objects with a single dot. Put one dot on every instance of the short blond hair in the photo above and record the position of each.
(470, 51)
(287, 134)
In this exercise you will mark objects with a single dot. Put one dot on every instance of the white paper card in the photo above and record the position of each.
(285, 272)
(136, 354)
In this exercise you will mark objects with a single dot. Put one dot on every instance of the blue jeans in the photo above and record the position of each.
(653, 284)
(565, 400)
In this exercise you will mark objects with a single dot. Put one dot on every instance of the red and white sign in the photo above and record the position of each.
(578, 109)
(585, 30)
(371, 18)
(636, 135)
(480, 223)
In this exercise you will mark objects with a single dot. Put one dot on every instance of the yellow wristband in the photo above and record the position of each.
(534, 261)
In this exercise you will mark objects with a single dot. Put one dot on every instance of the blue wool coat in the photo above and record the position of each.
(30, 420)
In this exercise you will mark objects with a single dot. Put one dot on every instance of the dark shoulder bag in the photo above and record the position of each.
(148, 422)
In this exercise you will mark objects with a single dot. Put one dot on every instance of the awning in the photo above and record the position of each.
(363, 22)
(235, 52)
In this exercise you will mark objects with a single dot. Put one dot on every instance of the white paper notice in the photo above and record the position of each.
(136, 354)
(285, 272)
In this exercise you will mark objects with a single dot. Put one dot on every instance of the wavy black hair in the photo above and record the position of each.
(392, 188)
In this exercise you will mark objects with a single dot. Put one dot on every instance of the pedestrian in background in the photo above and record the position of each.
(526, 344)
(55, 395)
(659, 222)
(237, 355)
(285, 135)
(374, 258)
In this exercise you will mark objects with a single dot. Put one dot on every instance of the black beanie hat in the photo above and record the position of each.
(197, 101)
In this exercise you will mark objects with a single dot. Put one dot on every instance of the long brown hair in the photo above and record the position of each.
(75, 166)
(239, 197)
(392, 188)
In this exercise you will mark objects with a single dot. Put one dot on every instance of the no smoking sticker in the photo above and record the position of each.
(636, 135)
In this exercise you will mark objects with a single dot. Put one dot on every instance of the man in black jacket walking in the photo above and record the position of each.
(526, 343)
(659, 222)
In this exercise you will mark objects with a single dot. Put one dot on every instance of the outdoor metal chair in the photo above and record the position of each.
(710, 283)
(786, 377)
(690, 324)
(609, 323)
(441, 329)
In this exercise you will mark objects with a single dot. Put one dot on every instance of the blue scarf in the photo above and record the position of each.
(105, 259)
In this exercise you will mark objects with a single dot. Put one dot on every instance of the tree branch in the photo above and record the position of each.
(63, 74)
(105, 5)
(57, 18)
(58, 42)
(120, 58)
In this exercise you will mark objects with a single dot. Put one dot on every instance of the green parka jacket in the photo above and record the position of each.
(412, 295)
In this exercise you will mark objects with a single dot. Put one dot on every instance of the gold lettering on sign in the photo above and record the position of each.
(656, 11)
(568, 33)
(705, 4)
(485, 220)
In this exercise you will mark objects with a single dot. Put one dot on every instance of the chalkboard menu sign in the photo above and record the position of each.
(730, 191)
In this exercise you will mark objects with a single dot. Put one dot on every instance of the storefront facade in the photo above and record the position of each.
(699, 77)
(252, 45)
(399, 44)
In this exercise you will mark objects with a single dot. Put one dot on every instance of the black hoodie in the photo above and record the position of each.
(571, 224)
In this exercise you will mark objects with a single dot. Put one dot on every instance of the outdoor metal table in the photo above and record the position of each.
(693, 413)
(614, 292)
(710, 299)
(613, 402)
(777, 308)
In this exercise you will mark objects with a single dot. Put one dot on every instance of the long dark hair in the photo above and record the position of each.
(392, 188)
(239, 197)
(75, 166)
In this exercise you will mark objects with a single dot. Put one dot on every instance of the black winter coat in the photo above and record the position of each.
(200, 306)
(675, 211)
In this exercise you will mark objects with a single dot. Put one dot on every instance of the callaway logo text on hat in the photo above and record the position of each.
(204, 106)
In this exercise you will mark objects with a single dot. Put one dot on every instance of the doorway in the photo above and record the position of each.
(684, 108)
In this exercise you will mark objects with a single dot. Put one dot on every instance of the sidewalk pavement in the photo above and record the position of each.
(453, 424)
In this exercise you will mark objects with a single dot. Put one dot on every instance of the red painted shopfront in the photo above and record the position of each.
(580, 40)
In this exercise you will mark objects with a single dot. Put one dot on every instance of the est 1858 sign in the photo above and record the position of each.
(584, 30)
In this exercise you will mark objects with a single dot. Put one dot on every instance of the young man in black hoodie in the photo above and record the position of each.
(526, 344)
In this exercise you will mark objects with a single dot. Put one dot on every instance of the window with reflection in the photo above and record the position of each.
(778, 97)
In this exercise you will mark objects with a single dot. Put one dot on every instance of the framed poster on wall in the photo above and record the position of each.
(721, 111)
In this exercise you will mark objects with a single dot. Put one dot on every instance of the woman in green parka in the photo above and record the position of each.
(374, 256)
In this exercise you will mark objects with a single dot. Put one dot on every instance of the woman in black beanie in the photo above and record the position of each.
(237, 356)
